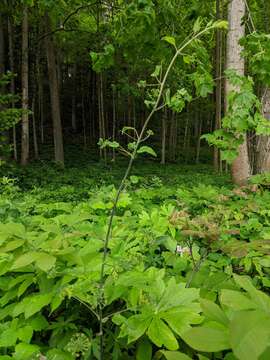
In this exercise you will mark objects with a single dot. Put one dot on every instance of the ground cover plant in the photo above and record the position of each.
(187, 273)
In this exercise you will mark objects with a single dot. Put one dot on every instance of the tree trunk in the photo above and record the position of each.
(263, 142)
(262, 158)
(219, 45)
(12, 82)
(198, 145)
(25, 76)
(73, 117)
(40, 97)
(54, 92)
(114, 121)
(163, 139)
(35, 141)
(236, 12)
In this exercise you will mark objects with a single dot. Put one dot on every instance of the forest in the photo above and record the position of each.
(134, 179)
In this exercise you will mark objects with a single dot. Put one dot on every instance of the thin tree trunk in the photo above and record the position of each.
(4, 134)
(164, 134)
(102, 116)
(84, 122)
(40, 101)
(36, 152)
(55, 97)
(74, 120)
(219, 45)
(240, 167)
(114, 122)
(25, 90)
(198, 147)
(12, 83)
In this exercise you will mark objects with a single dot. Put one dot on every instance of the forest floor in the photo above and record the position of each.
(174, 217)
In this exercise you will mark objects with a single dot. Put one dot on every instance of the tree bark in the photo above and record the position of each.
(236, 11)
(262, 158)
(12, 82)
(219, 45)
(55, 96)
(25, 90)
(263, 142)
(164, 135)
(73, 116)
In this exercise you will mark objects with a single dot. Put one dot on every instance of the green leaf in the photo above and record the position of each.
(221, 24)
(38, 322)
(213, 312)
(170, 40)
(32, 304)
(24, 260)
(249, 334)
(25, 351)
(144, 350)
(134, 327)
(12, 245)
(8, 338)
(134, 179)
(236, 300)
(147, 150)
(197, 25)
(57, 354)
(180, 319)
(160, 334)
(25, 334)
(45, 261)
(174, 355)
(157, 71)
(208, 339)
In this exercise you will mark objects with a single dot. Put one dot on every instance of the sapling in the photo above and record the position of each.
(177, 101)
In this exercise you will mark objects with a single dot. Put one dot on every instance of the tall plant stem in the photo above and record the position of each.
(121, 187)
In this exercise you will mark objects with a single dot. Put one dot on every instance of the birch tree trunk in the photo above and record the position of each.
(25, 90)
(55, 97)
(236, 12)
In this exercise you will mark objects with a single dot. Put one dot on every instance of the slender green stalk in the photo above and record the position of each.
(156, 107)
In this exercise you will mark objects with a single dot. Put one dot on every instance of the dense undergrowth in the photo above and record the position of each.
(187, 276)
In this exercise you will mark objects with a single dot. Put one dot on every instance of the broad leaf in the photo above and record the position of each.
(147, 150)
(249, 334)
(160, 334)
(207, 339)
(174, 355)
(170, 40)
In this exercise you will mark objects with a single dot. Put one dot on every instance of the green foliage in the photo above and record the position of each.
(51, 259)
(257, 51)
(104, 60)
(9, 116)
(243, 115)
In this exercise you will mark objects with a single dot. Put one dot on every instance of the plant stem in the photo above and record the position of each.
(123, 181)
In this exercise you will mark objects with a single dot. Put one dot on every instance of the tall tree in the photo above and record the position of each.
(263, 142)
(236, 13)
(54, 92)
(218, 95)
(25, 90)
(12, 81)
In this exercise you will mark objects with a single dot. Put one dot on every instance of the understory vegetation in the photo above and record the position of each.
(186, 276)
